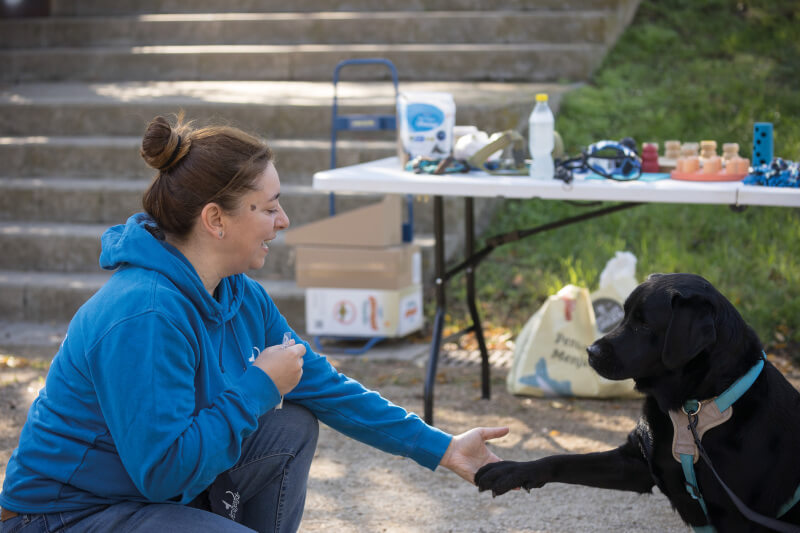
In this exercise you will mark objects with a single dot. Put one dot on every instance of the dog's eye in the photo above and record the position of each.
(639, 316)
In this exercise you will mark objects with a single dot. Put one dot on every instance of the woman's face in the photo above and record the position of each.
(253, 224)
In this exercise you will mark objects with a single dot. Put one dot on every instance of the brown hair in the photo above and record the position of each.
(195, 167)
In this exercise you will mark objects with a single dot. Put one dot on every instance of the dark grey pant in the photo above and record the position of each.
(271, 478)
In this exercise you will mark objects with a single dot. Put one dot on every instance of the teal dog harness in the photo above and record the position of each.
(702, 416)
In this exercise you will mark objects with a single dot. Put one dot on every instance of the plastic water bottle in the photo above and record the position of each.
(540, 139)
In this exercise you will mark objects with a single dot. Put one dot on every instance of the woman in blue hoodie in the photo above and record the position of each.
(163, 407)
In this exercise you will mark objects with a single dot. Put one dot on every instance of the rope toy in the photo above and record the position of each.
(779, 173)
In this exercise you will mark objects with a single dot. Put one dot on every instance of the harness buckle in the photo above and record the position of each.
(694, 412)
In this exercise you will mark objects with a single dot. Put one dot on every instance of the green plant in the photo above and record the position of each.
(683, 70)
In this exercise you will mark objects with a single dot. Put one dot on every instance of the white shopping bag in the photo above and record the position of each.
(617, 281)
(550, 356)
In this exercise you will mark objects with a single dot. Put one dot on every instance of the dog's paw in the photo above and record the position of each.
(499, 477)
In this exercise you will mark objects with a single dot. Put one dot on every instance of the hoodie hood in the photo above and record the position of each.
(140, 243)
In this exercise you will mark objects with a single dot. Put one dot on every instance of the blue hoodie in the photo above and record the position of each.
(153, 389)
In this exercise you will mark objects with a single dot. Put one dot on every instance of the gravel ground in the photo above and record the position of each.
(355, 488)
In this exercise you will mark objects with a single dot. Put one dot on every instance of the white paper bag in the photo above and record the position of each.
(617, 281)
(550, 356)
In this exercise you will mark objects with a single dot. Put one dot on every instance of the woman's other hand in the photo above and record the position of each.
(283, 364)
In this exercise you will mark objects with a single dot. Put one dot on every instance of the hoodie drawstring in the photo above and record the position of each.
(241, 354)
(221, 344)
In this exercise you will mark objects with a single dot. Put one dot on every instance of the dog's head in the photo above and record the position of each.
(670, 319)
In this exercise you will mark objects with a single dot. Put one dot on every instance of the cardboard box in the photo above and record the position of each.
(392, 267)
(364, 312)
(378, 224)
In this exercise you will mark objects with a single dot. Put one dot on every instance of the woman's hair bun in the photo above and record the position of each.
(162, 145)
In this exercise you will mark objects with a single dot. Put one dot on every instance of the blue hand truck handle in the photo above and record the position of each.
(365, 61)
(339, 67)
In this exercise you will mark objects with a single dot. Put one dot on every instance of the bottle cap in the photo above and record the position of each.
(541, 97)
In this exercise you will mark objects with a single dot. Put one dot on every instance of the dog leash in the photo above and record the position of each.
(748, 513)
(723, 402)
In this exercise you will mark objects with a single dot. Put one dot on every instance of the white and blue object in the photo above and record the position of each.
(287, 339)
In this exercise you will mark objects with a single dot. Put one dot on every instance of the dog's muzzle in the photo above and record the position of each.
(595, 354)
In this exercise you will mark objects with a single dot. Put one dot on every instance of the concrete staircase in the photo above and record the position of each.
(77, 89)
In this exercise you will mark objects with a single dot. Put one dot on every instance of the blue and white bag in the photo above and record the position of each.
(425, 123)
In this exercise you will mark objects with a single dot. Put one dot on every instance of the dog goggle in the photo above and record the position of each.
(608, 159)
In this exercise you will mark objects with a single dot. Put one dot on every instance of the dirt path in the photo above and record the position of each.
(355, 488)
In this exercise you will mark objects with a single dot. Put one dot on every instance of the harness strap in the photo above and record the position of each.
(791, 503)
(723, 403)
(687, 462)
(740, 386)
(708, 416)
(748, 513)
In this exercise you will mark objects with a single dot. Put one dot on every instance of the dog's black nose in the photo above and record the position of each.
(593, 350)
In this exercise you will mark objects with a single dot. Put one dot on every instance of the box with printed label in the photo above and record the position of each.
(390, 267)
(364, 312)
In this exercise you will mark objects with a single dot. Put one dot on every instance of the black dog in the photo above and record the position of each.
(681, 340)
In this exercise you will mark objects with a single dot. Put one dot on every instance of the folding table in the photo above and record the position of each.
(388, 177)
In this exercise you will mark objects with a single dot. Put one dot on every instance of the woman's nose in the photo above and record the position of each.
(283, 220)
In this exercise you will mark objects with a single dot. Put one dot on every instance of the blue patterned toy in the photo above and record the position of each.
(779, 173)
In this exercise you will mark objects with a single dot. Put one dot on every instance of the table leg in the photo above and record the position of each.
(438, 323)
(469, 242)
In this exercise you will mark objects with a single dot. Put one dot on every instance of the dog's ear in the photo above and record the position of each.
(690, 330)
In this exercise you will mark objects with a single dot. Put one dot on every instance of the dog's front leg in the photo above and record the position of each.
(623, 469)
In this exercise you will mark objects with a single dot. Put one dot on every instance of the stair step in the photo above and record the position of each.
(69, 200)
(54, 247)
(276, 109)
(75, 248)
(46, 297)
(100, 157)
(468, 62)
(58, 201)
(103, 7)
(31, 339)
(111, 201)
(78, 88)
(382, 27)
(59, 243)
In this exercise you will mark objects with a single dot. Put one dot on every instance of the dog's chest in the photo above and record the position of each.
(708, 416)
(654, 435)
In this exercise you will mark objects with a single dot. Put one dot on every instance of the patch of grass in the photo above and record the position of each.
(683, 70)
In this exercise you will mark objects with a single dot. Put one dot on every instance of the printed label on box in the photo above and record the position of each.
(364, 312)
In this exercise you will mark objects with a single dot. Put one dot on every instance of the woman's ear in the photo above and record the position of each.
(211, 220)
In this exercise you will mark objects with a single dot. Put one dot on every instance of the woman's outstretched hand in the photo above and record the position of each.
(468, 451)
